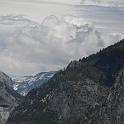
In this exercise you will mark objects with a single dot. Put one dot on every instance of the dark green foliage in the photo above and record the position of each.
(37, 117)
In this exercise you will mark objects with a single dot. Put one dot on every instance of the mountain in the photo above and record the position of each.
(8, 97)
(24, 84)
(88, 91)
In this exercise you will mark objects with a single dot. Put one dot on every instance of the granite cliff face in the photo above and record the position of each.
(88, 91)
(8, 97)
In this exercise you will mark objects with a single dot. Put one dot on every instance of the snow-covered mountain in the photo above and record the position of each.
(23, 84)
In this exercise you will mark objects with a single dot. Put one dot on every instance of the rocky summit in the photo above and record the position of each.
(88, 91)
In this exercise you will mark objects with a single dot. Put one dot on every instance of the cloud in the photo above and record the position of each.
(27, 47)
(117, 3)
(71, 2)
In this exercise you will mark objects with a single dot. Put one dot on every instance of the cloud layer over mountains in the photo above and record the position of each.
(27, 47)
(51, 33)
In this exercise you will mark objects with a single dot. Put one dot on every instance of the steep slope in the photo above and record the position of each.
(25, 84)
(8, 97)
(88, 91)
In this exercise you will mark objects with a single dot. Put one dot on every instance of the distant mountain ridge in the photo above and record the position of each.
(88, 91)
(24, 84)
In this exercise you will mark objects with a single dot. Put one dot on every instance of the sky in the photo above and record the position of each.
(45, 35)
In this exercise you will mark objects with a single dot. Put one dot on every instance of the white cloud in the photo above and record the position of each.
(73, 31)
(27, 47)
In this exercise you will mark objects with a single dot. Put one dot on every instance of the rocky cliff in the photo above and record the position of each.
(8, 97)
(88, 91)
